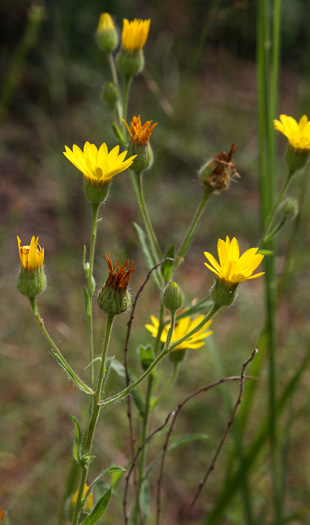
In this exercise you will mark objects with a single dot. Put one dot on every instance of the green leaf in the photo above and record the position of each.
(87, 301)
(149, 258)
(198, 436)
(72, 375)
(146, 357)
(135, 393)
(98, 510)
(145, 499)
(103, 474)
(167, 266)
(77, 441)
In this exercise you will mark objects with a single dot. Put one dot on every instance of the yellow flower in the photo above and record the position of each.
(182, 327)
(134, 34)
(89, 502)
(98, 165)
(232, 268)
(140, 134)
(105, 23)
(31, 257)
(297, 133)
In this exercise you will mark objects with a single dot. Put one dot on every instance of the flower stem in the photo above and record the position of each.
(91, 290)
(93, 420)
(271, 216)
(127, 84)
(156, 251)
(193, 227)
(115, 81)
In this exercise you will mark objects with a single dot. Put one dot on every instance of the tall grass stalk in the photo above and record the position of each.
(268, 53)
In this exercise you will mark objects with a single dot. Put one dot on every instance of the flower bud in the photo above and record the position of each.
(217, 172)
(289, 208)
(110, 94)
(114, 297)
(96, 192)
(130, 63)
(223, 292)
(106, 36)
(173, 297)
(31, 279)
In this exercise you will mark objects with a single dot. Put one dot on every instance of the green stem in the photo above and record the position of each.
(273, 232)
(91, 290)
(193, 227)
(115, 81)
(159, 358)
(146, 218)
(127, 84)
(170, 382)
(93, 419)
(276, 206)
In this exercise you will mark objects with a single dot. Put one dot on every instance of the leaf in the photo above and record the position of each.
(167, 266)
(87, 301)
(135, 393)
(103, 474)
(181, 441)
(77, 441)
(145, 498)
(72, 375)
(149, 258)
(98, 510)
(146, 356)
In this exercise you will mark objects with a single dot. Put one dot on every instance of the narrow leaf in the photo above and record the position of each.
(78, 439)
(167, 266)
(149, 258)
(72, 375)
(103, 474)
(98, 510)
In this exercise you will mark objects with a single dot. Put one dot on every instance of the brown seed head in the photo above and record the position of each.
(119, 277)
(221, 170)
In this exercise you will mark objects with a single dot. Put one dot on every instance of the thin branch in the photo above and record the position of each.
(134, 463)
(240, 378)
(219, 448)
(126, 365)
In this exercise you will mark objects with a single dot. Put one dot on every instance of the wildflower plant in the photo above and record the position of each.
(180, 324)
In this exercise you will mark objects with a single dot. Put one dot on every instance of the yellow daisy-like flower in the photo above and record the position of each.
(31, 257)
(98, 165)
(297, 133)
(89, 502)
(134, 34)
(140, 134)
(182, 327)
(232, 268)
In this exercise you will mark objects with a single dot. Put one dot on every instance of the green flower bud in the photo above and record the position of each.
(224, 293)
(173, 297)
(106, 36)
(114, 297)
(110, 94)
(130, 63)
(144, 159)
(31, 279)
(289, 208)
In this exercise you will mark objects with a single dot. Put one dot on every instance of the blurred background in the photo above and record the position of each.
(200, 86)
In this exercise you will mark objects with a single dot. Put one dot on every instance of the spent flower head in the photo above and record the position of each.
(98, 166)
(31, 279)
(182, 327)
(139, 143)
(218, 172)
(114, 297)
(231, 269)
